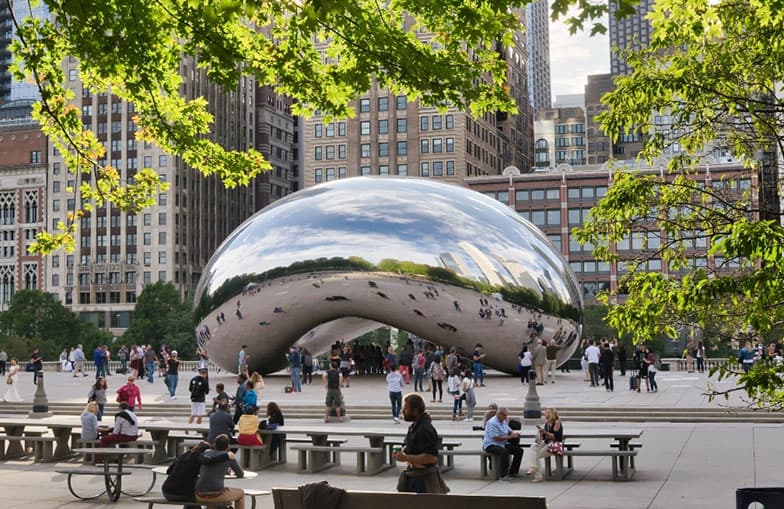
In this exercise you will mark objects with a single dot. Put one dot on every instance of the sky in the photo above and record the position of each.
(574, 57)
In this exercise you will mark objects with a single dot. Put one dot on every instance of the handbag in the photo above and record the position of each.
(9, 381)
(555, 448)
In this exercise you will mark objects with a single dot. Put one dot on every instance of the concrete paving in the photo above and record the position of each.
(680, 465)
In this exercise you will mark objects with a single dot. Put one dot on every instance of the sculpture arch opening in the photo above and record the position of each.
(445, 263)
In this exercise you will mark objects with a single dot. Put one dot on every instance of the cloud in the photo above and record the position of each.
(574, 57)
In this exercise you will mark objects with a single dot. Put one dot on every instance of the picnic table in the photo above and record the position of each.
(112, 471)
(61, 427)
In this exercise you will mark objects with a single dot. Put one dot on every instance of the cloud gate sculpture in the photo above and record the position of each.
(333, 261)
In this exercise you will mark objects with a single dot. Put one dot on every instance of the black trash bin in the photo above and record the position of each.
(770, 498)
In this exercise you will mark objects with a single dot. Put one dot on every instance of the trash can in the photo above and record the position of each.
(665, 366)
(770, 498)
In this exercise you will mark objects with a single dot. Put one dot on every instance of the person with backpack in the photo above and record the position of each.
(437, 378)
(130, 394)
(199, 388)
(419, 371)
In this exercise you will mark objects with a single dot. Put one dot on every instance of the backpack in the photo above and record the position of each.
(438, 371)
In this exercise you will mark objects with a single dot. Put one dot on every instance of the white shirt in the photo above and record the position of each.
(453, 384)
(592, 352)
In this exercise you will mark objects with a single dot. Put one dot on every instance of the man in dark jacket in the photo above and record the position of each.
(239, 396)
(420, 451)
(221, 423)
(180, 485)
(199, 388)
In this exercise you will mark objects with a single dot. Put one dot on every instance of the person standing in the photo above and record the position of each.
(592, 355)
(220, 396)
(478, 367)
(242, 361)
(420, 451)
(437, 378)
(173, 374)
(64, 364)
(106, 359)
(98, 394)
(452, 361)
(12, 382)
(606, 358)
(199, 388)
(404, 367)
(552, 358)
(149, 363)
(700, 357)
(295, 365)
(467, 388)
(650, 360)
(79, 359)
(130, 394)
(526, 363)
(37, 364)
(539, 359)
(3, 361)
(239, 397)
(395, 386)
(332, 382)
(419, 371)
(453, 386)
(621, 353)
(499, 440)
(98, 357)
(209, 485)
(307, 367)
(122, 356)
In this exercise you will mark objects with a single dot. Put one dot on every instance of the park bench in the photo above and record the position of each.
(489, 466)
(618, 473)
(153, 501)
(43, 447)
(253, 457)
(632, 446)
(138, 459)
(370, 460)
(290, 498)
(332, 442)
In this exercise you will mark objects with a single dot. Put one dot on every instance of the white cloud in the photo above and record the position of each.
(574, 57)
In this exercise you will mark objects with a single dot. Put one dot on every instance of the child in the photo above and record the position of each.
(468, 394)
(453, 386)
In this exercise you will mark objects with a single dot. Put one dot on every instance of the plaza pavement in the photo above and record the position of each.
(680, 464)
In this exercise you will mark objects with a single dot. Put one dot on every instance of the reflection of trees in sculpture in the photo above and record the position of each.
(521, 296)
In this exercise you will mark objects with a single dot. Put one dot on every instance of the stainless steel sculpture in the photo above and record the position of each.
(446, 263)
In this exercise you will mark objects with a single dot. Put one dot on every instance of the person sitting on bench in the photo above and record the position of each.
(125, 428)
(209, 486)
(180, 485)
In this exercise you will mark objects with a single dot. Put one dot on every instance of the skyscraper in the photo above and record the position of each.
(537, 24)
(118, 253)
(630, 32)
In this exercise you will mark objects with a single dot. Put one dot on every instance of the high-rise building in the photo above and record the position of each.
(392, 135)
(537, 24)
(599, 146)
(11, 89)
(118, 253)
(23, 172)
(275, 138)
(559, 135)
(630, 32)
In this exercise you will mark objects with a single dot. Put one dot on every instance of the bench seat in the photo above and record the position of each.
(621, 470)
(153, 501)
(43, 447)
(370, 460)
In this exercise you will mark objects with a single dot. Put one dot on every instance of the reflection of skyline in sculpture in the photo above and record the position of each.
(415, 254)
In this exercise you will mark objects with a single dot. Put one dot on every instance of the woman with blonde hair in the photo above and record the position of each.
(549, 441)
(89, 420)
(12, 381)
(258, 385)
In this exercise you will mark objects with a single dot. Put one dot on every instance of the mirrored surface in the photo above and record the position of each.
(446, 263)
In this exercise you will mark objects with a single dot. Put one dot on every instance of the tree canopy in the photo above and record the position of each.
(322, 53)
(161, 316)
(715, 69)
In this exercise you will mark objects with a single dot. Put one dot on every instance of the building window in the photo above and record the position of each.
(162, 257)
(364, 105)
(402, 148)
(330, 151)
(435, 121)
(450, 144)
(383, 169)
(438, 168)
(424, 146)
(402, 169)
(402, 125)
(423, 123)
(383, 149)
(383, 126)
(341, 151)
(330, 130)
(364, 150)
(437, 145)
(383, 103)
(162, 161)
(449, 121)
(424, 169)
(35, 157)
(364, 171)
(400, 102)
(364, 128)
(317, 153)
(553, 194)
(450, 167)
(318, 130)
(554, 217)
(162, 238)
(318, 175)
(341, 172)
(330, 174)
(341, 128)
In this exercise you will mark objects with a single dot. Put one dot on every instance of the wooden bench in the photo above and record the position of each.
(43, 447)
(313, 458)
(290, 498)
(153, 501)
(621, 470)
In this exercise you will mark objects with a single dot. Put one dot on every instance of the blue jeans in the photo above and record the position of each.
(150, 368)
(172, 384)
(458, 404)
(100, 411)
(397, 400)
(419, 375)
(100, 370)
(479, 373)
(652, 381)
(295, 385)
